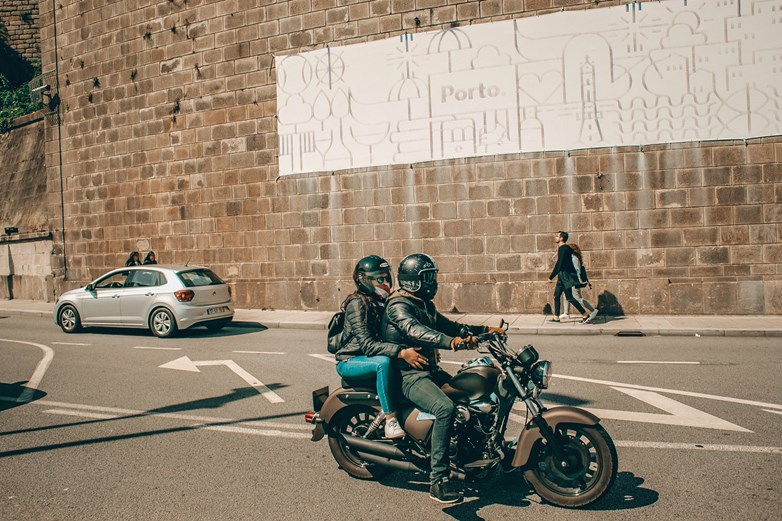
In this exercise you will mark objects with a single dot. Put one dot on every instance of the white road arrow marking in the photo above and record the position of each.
(680, 414)
(185, 364)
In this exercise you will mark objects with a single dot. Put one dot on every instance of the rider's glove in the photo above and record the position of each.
(469, 342)
(497, 330)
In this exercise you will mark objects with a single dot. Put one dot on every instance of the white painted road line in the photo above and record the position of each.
(327, 358)
(697, 446)
(83, 414)
(69, 344)
(774, 412)
(654, 362)
(35, 380)
(257, 432)
(260, 352)
(670, 391)
(159, 348)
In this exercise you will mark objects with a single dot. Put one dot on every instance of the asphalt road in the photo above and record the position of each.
(110, 434)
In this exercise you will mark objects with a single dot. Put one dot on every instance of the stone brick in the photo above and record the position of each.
(654, 296)
(640, 200)
(671, 198)
(700, 236)
(746, 254)
(653, 219)
(680, 256)
(772, 296)
(686, 217)
(688, 178)
(686, 298)
(659, 180)
(713, 255)
(719, 298)
(733, 155)
(772, 253)
(750, 297)
(734, 234)
(731, 195)
(718, 215)
(762, 233)
(716, 176)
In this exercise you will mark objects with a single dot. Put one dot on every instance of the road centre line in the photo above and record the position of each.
(697, 446)
(260, 352)
(654, 362)
(92, 411)
(35, 380)
(327, 358)
(159, 348)
(69, 344)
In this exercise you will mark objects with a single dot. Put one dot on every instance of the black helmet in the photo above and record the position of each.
(418, 275)
(370, 268)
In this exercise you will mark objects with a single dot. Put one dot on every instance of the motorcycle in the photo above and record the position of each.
(566, 455)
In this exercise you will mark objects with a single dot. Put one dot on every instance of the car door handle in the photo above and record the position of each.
(150, 294)
(115, 296)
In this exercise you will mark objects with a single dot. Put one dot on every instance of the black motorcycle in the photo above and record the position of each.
(564, 452)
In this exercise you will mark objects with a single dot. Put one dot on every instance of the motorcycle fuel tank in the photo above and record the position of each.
(472, 383)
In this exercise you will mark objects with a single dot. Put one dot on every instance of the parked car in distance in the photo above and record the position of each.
(163, 298)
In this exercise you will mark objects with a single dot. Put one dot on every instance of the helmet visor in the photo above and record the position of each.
(429, 276)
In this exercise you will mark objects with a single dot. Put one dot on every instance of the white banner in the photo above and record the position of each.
(633, 74)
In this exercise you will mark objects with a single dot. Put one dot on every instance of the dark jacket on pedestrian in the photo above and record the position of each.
(133, 259)
(414, 322)
(361, 333)
(564, 267)
(149, 258)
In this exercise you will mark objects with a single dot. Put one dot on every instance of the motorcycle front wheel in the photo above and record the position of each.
(587, 473)
(353, 421)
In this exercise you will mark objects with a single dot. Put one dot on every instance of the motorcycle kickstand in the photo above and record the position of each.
(375, 425)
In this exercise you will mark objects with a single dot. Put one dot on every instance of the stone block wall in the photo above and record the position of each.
(169, 141)
(20, 19)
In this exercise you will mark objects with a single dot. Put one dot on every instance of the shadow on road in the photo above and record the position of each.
(10, 392)
(213, 403)
(233, 329)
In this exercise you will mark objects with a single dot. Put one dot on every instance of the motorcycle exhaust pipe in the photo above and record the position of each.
(375, 447)
(386, 462)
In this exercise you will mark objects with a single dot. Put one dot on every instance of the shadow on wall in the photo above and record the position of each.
(608, 304)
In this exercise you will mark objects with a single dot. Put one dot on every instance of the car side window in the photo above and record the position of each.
(114, 281)
(143, 279)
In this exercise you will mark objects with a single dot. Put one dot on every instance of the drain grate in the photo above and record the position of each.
(630, 333)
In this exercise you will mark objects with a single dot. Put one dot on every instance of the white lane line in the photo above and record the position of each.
(257, 432)
(670, 391)
(35, 380)
(654, 362)
(260, 352)
(69, 344)
(159, 348)
(327, 358)
(774, 412)
(697, 446)
(84, 414)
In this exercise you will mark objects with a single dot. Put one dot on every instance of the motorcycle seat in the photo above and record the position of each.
(363, 383)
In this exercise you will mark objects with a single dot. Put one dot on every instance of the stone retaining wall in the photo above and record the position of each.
(169, 142)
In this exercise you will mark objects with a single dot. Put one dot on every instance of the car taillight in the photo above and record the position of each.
(184, 295)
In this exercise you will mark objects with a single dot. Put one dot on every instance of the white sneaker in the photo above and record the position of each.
(393, 429)
(589, 318)
(564, 316)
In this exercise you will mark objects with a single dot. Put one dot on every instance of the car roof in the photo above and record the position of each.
(167, 267)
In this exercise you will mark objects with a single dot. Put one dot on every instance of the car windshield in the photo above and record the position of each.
(199, 277)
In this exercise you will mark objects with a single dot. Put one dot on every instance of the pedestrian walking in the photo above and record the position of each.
(567, 278)
(583, 281)
(150, 258)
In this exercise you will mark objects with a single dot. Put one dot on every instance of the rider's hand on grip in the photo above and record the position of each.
(469, 342)
(498, 330)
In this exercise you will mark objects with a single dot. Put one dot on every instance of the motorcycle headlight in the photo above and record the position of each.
(541, 374)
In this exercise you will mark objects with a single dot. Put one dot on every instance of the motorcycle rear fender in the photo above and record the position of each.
(553, 417)
(337, 401)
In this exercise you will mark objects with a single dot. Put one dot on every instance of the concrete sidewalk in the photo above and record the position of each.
(633, 325)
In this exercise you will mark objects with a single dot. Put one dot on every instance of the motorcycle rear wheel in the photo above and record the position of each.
(591, 468)
(353, 421)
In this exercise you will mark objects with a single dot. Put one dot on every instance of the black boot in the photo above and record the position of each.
(445, 491)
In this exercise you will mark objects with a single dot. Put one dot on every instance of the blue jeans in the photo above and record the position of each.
(365, 366)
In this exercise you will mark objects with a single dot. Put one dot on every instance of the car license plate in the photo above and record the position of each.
(212, 311)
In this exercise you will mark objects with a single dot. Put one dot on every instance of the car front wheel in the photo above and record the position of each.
(162, 323)
(70, 322)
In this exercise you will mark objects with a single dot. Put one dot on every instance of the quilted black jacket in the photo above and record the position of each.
(361, 335)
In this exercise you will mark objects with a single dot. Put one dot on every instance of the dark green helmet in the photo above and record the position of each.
(418, 275)
(369, 269)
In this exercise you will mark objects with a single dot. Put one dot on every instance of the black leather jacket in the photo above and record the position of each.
(413, 322)
(361, 335)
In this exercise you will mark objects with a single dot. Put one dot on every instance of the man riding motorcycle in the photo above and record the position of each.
(412, 319)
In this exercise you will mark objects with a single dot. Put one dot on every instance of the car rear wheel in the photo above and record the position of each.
(69, 319)
(162, 323)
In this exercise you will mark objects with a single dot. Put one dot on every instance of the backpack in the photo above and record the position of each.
(583, 275)
(335, 329)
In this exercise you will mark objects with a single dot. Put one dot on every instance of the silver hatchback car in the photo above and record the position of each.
(163, 298)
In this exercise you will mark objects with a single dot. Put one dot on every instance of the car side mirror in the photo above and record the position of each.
(89, 287)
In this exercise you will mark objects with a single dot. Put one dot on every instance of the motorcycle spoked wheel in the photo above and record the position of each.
(353, 421)
(591, 470)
